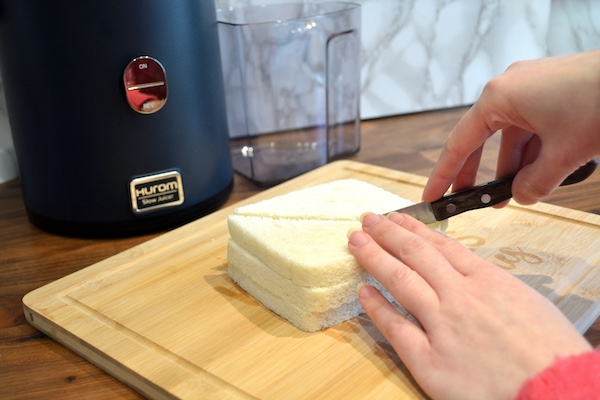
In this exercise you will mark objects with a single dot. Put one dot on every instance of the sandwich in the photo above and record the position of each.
(290, 252)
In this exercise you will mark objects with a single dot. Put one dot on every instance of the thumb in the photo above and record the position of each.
(539, 179)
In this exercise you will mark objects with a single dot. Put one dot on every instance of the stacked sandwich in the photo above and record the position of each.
(290, 252)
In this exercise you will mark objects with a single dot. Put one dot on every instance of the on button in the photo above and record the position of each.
(145, 83)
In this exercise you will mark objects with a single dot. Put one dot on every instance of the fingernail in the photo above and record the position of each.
(359, 286)
(365, 291)
(351, 231)
(356, 237)
(396, 218)
(369, 219)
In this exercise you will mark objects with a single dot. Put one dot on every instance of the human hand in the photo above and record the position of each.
(549, 114)
(483, 332)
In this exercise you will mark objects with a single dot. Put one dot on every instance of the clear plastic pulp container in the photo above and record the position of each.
(292, 84)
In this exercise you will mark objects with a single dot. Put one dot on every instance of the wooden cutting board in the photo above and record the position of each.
(165, 319)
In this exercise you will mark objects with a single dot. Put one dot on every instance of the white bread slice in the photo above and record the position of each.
(344, 199)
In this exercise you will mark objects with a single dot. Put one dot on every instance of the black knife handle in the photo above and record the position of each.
(481, 196)
(494, 192)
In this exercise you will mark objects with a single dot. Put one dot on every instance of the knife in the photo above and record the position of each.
(484, 195)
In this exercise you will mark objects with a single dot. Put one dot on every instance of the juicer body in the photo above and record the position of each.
(117, 112)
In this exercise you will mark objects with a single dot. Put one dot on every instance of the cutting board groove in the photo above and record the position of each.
(165, 319)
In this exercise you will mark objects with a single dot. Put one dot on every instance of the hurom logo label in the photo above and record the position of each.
(156, 191)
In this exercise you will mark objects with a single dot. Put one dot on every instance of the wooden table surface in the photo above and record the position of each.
(34, 366)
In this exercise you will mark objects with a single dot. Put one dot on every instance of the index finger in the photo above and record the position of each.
(462, 259)
(460, 155)
(413, 250)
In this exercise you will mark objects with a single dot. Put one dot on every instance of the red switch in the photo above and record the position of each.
(145, 83)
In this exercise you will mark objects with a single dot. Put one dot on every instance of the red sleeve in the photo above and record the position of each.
(576, 377)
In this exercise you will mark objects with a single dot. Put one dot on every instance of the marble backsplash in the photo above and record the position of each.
(428, 54)
(419, 55)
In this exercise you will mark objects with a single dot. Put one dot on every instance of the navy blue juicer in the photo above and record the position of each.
(117, 112)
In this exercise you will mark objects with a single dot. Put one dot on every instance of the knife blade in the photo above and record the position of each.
(481, 196)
